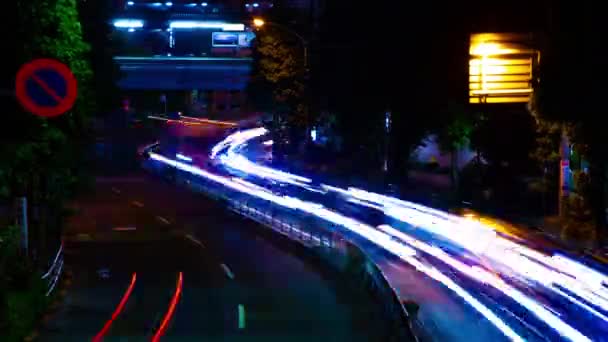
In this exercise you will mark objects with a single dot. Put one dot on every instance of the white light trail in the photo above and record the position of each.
(381, 239)
(183, 157)
(486, 277)
(471, 235)
(128, 23)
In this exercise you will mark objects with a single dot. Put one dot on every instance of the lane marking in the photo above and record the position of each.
(241, 316)
(117, 311)
(124, 229)
(137, 204)
(163, 220)
(195, 240)
(229, 273)
(163, 326)
(115, 190)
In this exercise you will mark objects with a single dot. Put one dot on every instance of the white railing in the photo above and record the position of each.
(54, 272)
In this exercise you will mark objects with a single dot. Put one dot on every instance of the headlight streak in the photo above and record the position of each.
(371, 234)
(477, 237)
(473, 236)
(488, 278)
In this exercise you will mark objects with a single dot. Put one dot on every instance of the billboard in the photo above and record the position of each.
(501, 68)
(232, 39)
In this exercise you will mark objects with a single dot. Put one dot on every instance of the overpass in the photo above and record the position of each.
(184, 73)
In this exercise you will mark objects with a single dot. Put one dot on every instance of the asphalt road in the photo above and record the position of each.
(239, 284)
(471, 282)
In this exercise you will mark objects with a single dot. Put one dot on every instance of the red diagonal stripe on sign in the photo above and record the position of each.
(46, 88)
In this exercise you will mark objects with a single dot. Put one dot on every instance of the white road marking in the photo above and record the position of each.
(229, 273)
(137, 204)
(115, 190)
(163, 220)
(195, 240)
(123, 229)
(241, 309)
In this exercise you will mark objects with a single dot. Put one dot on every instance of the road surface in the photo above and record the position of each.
(237, 285)
(474, 281)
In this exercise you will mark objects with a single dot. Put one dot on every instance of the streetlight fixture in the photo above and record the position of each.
(259, 23)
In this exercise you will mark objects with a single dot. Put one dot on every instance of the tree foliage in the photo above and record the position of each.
(571, 90)
(278, 84)
(42, 158)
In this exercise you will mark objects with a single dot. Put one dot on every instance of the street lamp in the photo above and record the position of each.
(259, 23)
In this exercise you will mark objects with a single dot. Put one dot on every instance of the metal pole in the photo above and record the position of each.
(24, 228)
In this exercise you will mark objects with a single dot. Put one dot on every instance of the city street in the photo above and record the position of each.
(472, 281)
(237, 284)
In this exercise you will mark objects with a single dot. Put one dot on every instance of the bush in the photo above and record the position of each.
(577, 225)
(22, 292)
(23, 308)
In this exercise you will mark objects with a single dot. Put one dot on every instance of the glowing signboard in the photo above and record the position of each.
(501, 68)
(232, 39)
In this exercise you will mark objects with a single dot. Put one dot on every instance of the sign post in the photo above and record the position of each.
(21, 219)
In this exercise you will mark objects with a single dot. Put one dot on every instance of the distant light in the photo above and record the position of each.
(169, 30)
(191, 5)
(157, 4)
(313, 134)
(130, 3)
(168, 3)
(207, 24)
(183, 157)
(204, 4)
(131, 30)
(256, 5)
(258, 22)
(267, 143)
(247, 5)
(128, 23)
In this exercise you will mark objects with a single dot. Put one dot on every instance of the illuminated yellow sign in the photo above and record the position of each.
(500, 68)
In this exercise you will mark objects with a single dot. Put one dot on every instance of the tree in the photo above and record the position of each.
(42, 158)
(278, 85)
(571, 92)
(454, 136)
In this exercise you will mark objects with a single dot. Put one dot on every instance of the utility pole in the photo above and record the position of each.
(564, 166)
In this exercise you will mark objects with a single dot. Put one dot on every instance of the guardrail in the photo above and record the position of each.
(319, 238)
(54, 271)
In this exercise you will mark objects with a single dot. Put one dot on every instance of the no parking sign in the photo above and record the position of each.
(46, 87)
